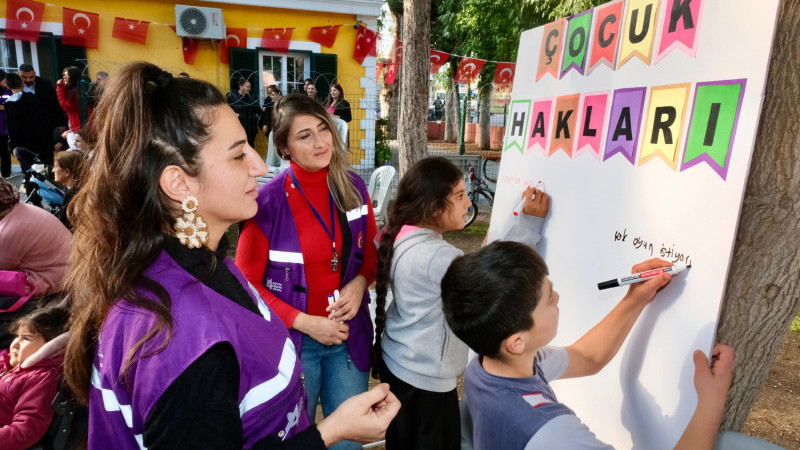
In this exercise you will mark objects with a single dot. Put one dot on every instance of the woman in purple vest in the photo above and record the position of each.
(310, 253)
(169, 345)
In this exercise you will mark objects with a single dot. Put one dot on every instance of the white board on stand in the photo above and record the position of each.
(616, 202)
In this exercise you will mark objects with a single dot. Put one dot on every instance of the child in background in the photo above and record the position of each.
(29, 376)
(500, 302)
(418, 355)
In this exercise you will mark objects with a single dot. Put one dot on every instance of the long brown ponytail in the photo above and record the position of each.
(146, 121)
(421, 199)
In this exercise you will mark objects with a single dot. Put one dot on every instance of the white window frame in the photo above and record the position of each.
(284, 67)
(20, 53)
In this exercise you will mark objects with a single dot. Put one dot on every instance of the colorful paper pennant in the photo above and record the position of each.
(639, 32)
(623, 123)
(607, 23)
(592, 123)
(539, 125)
(577, 42)
(550, 53)
(664, 123)
(712, 125)
(564, 119)
(517, 125)
(679, 27)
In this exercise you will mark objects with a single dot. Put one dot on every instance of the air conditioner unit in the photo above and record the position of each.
(198, 22)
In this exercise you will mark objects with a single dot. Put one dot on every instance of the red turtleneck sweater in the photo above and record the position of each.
(315, 244)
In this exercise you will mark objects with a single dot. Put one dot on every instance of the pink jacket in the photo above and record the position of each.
(26, 396)
(36, 243)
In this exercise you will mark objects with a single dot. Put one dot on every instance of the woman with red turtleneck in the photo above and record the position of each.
(311, 240)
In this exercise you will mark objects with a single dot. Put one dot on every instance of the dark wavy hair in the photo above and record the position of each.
(121, 215)
(422, 197)
(48, 322)
(490, 294)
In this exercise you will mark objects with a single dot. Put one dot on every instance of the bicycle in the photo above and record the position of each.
(476, 186)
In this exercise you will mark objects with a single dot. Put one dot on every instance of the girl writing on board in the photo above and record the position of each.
(415, 351)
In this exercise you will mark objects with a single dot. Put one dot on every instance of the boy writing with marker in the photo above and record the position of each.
(500, 302)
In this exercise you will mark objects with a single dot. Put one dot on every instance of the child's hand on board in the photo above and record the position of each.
(537, 203)
(646, 291)
(712, 382)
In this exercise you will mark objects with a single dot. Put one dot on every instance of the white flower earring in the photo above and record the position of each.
(190, 228)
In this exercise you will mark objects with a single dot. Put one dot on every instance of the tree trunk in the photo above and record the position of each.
(413, 131)
(763, 287)
(484, 120)
(452, 112)
(392, 94)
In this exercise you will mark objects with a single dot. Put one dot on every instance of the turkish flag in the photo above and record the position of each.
(80, 28)
(378, 70)
(397, 52)
(437, 60)
(24, 20)
(190, 46)
(234, 38)
(366, 44)
(391, 74)
(130, 30)
(469, 69)
(504, 75)
(324, 36)
(277, 39)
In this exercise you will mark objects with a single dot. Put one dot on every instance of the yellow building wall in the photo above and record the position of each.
(165, 49)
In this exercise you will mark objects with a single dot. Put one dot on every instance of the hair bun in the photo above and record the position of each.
(163, 79)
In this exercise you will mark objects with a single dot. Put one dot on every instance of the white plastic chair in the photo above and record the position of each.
(379, 183)
(341, 127)
(274, 162)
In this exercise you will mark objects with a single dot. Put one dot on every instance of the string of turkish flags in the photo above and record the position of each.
(468, 69)
(81, 29)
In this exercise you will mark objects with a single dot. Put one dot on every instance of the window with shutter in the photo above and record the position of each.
(243, 63)
(323, 72)
(68, 55)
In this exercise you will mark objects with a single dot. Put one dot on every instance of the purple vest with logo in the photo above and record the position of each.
(285, 274)
(271, 395)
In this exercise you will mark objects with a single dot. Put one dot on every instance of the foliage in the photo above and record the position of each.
(396, 7)
(796, 323)
(556, 9)
(383, 153)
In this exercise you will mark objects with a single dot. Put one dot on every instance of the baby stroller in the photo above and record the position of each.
(70, 425)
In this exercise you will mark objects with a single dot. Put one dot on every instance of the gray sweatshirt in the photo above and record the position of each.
(418, 346)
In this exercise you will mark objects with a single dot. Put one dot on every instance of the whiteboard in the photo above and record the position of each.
(610, 211)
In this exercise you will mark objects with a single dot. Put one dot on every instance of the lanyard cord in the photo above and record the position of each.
(331, 233)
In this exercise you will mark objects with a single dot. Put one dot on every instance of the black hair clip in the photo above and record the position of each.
(163, 79)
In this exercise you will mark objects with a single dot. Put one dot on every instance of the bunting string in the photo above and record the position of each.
(81, 28)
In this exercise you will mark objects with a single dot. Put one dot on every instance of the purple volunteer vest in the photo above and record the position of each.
(504, 417)
(271, 395)
(285, 274)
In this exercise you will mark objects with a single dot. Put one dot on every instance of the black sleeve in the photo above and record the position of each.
(191, 414)
(308, 439)
(13, 125)
(344, 111)
(199, 409)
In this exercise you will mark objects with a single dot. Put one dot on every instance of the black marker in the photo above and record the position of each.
(642, 276)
